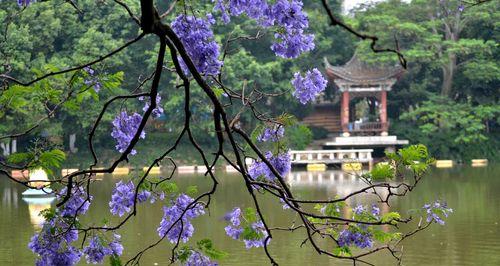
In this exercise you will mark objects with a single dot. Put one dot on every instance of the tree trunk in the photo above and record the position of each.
(6, 148)
(13, 146)
(72, 140)
(448, 73)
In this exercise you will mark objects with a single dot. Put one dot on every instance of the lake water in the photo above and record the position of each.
(471, 235)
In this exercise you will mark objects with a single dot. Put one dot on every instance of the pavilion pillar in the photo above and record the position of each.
(344, 113)
(383, 112)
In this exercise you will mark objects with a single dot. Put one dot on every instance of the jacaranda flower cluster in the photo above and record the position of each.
(77, 204)
(53, 243)
(23, 3)
(92, 79)
(124, 129)
(281, 162)
(158, 111)
(198, 39)
(176, 221)
(122, 198)
(254, 9)
(434, 210)
(198, 259)
(287, 17)
(309, 86)
(96, 251)
(359, 239)
(271, 134)
(235, 229)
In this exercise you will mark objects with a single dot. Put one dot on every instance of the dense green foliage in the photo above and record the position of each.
(448, 99)
(452, 54)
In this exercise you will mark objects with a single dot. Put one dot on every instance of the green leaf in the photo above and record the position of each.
(390, 217)
(381, 236)
(192, 190)
(250, 234)
(287, 119)
(342, 251)
(332, 209)
(168, 187)
(183, 253)
(20, 157)
(145, 186)
(48, 214)
(414, 153)
(217, 91)
(257, 132)
(250, 215)
(112, 82)
(115, 261)
(50, 159)
(382, 171)
(206, 246)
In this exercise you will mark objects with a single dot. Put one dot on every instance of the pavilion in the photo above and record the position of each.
(355, 114)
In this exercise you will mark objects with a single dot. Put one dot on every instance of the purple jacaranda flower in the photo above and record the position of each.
(92, 79)
(309, 86)
(235, 229)
(124, 129)
(78, 202)
(95, 252)
(176, 221)
(349, 238)
(285, 16)
(271, 134)
(122, 198)
(198, 259)
(24, 3)
(359, 209)
(198, 39)
(436, 209)
(53, 243)
(158, 111)
(261, 231)
(281, 162)
(375, 210)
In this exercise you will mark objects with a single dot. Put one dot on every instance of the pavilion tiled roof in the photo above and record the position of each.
(357, 71)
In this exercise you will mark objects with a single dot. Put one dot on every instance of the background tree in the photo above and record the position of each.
(452, 50)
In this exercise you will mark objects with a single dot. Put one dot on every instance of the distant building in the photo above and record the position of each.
(356, 113)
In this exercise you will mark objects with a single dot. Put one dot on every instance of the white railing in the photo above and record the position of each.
(331, 156)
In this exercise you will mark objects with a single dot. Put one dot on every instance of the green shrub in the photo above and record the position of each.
(299, 136)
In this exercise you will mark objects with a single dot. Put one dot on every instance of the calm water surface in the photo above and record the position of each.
(470, 237)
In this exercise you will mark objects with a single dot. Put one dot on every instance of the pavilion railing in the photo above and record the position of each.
(368, 127)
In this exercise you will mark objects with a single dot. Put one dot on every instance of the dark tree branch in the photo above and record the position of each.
(334, 21)
(102, 58)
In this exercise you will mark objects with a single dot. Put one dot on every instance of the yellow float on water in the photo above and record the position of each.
(98, 174)
(316, 167)
(352, 166)
(479, 162)
(121, 171)
(154, 170)
(444, 163)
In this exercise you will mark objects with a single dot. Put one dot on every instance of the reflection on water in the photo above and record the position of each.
(342, 183)
(329, 178)
(470, 237)
(35, 206)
